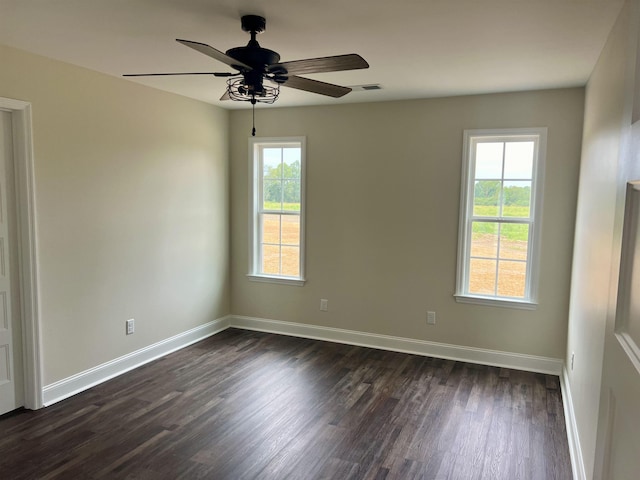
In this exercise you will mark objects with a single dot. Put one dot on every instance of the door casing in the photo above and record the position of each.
(24, 184)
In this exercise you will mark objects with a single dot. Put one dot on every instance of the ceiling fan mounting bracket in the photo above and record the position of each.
(253, 23)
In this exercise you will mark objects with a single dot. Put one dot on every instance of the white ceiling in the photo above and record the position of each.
(416, 48)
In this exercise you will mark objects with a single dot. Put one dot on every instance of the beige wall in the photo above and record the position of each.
(132, 205)
(383, 188)
(132, 198)
(606, 165)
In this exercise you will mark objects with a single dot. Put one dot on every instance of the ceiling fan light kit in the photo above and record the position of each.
(238, 90)
(255, 65)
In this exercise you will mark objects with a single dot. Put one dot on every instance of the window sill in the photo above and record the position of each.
(496, 302)
(299, 282)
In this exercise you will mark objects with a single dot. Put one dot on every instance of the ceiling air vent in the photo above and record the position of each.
(362, 88)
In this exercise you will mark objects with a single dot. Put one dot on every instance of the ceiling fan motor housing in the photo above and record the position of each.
(253, 54)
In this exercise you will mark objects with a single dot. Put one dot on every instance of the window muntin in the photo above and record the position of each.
(277, 216)
(500, 209)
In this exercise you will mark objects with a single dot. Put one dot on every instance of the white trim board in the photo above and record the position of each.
(79, 382)
(575, 452)
(496, 358)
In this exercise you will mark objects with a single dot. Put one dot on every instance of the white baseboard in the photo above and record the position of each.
(577, 462)
(84, 380)
(496, 358)
(79, 382)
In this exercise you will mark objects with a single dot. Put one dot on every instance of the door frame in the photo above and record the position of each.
(28, 278)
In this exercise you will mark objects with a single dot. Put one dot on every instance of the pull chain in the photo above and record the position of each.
(253, 107)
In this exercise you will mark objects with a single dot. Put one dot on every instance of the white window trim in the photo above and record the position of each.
(254, 205)
(530, 301)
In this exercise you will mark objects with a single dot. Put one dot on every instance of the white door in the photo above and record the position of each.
(11, 396)
(619, 423)
(620, 397)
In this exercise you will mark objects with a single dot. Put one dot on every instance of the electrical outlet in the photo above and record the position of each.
(324, 304)
(573, 357)
(431, 318)
(130, 324)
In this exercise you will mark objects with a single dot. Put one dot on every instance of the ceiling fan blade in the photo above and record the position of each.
(225, 96)
(314, 86)
(215, 74)
(214, 53)
(336, 63)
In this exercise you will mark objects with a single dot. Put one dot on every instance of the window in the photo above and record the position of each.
(277, 168)
(500, 208)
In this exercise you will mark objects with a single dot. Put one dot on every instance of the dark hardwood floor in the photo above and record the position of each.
(244, 405)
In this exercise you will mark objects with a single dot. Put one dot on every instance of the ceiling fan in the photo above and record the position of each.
(255, 64)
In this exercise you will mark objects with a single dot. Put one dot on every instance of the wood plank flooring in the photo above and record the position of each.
(249, 405)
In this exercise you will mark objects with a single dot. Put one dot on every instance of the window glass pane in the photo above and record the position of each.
(272, 194)
(482, 276)
(271, 229)
(511, 278)
(291, 166)
(489, 160)
(514, 240)
(271, 160)
(484, 239)
(291, 261)
(516, 199)
(291, 230)
(271, 259)
(486, 198)
(518, 160)
(291, 195)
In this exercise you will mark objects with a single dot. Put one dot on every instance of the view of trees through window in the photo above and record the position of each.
(282, 186)
(487, 193)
